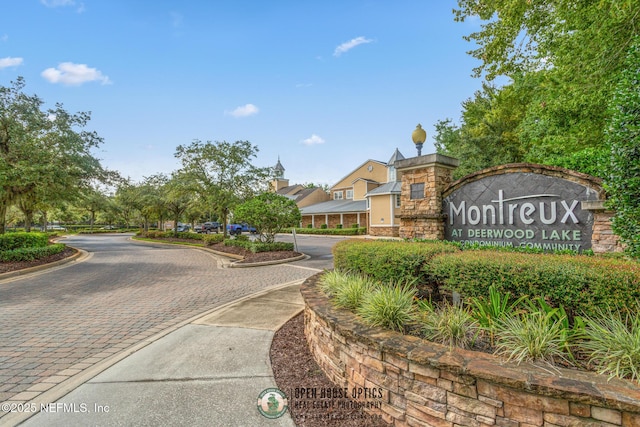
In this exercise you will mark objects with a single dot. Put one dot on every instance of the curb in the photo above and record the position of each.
(79, 256)
(238, 258)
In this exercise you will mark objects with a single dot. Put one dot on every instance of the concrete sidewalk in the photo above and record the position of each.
(209, 372)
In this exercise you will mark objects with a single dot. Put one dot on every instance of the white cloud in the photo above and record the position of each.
(313, 140)
(63, 3)
(347, 46)
(244, 111)
(57, 3)
(72, 74)
(10, 62)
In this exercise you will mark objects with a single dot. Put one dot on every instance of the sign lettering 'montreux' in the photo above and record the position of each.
(520, 209)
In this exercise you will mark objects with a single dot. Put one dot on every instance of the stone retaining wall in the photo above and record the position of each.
(425, 384)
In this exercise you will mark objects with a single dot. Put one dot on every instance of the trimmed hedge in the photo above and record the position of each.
(389, 261)
(32, 253)
(170, 234)
(11, 241)
(256, 247)
(212, 239)
(578, 283)
(354, 231)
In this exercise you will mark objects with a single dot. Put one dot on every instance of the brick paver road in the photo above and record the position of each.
(57, 324)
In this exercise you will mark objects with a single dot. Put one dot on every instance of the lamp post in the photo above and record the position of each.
(419, 136)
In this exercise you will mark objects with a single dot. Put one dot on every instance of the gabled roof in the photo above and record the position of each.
(388, 188)
(358, 167)
(335, 206)
(397, 155)
(287, 189)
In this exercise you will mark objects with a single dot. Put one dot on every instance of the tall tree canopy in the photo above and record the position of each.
(623, 137)
(222, 173)
(44, 154)
(563, 58)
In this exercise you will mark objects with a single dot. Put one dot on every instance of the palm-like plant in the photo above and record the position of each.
(612, 343)
(488, 312)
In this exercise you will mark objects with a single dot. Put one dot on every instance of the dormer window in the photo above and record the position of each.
(337, 195)
(391, 174)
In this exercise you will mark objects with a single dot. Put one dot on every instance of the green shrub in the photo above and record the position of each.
(488, 311)
(579, 283)
(339, 226)
(330, 281)
(450, 324)
(323, 226)
(31, 253)
(612, 343)
(10, 241)
(390, 306)
(388, 261)
(531, 336)
(333, 231)
(212, 239)
(351, 291)
(309, 225)
(623, 139)
(271, 247)
(355, 225)
(255, 246)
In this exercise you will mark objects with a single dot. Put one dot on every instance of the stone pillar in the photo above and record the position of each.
(603, 239)
(421, 216)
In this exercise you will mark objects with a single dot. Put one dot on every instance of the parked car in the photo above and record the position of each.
(197, 228)
(239, 228)
(183, 228)
(55, 228)
(211, 226)
(109, 227)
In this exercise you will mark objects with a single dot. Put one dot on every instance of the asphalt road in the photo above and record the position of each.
(58, 323)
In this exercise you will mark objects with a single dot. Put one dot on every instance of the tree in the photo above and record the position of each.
(43, 152)
(574, 48)
(178, 198)
(488, 135)
(222, 173)
(269, 213)
(93, 201)
(623, 138)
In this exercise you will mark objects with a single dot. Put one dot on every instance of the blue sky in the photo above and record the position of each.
(324, 85)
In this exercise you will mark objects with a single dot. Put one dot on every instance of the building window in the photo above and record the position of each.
(337, 195)
(349, 194)
(392, 176)
(397, 200)
(417, 191)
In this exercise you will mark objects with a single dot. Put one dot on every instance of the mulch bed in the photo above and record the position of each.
(301, 379)
(6, 267)
(249, 257)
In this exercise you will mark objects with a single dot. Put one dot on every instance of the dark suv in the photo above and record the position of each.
(210, 226)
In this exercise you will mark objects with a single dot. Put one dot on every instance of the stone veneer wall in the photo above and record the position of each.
(426, 384)
(390, 231)
(423, 218)
(603, 239)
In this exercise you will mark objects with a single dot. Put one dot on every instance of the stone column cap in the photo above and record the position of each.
(592, 205)
(427, 160)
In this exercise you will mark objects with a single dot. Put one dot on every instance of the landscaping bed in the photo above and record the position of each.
(294, 368)
(6, 267)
